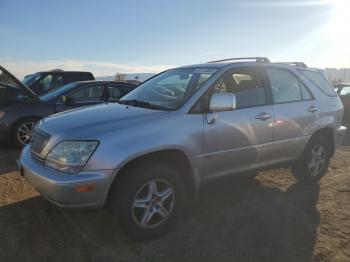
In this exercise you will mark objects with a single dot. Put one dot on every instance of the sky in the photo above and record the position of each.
(131, 36)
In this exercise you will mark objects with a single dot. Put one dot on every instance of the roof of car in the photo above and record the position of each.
(103, 82)
(246, 61)
(64, 71)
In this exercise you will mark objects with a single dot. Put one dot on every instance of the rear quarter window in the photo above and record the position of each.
(320, 81)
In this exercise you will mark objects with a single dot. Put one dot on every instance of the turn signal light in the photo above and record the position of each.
(82, 189)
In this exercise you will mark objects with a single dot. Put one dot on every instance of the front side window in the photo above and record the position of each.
(170, 89)
(245, 83)
(285, 86)
(87, 94)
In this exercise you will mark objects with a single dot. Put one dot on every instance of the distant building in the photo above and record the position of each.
(336, 75)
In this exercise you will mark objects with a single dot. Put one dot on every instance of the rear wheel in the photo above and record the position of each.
(22, 131)
(314, 162)
(147, 200)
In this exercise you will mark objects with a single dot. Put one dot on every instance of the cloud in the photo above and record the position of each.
(23, 68)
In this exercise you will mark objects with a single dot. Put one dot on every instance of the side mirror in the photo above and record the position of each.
(220, 102)
(65, 99)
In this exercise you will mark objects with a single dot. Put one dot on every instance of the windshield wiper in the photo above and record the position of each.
(138, 103)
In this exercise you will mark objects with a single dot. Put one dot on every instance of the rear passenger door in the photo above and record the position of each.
(239, 139)
(296, 113)
(87, 95)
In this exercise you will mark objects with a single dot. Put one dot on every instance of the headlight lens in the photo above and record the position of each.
(70, 156)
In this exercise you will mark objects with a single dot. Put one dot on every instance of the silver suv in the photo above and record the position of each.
(146, 156)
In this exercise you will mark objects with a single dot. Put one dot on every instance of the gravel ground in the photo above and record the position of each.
(269, 218)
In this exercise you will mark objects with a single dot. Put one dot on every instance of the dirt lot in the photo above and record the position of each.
(269, 218)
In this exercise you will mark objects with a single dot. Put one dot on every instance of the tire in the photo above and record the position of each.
(19, 129)
(136, 183)
(318, 150)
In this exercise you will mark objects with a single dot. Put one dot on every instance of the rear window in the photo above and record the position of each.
(320, 81)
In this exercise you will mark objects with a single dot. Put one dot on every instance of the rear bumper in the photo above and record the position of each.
(63, 189)
(341, 132)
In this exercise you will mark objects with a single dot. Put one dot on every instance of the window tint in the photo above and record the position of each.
(245, 84)
(88, 94)
(345, 91)
(320, 81)
(50, 82)
(117, 91)
(284, 85)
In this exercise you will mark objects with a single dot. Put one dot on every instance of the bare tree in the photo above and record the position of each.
(120, 77)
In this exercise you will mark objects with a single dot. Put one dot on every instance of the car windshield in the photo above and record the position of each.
(30, 79)
(57, 92)
(170, 89)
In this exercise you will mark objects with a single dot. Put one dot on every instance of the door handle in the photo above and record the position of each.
(263, 116)
(312, 109)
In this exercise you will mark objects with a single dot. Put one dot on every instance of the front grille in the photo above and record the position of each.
(39, 140)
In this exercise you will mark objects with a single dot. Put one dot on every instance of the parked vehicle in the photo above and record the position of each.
(145, 157)
(20, 108)
(343, 90)
(46, 81)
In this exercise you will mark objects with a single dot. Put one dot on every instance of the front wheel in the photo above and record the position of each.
(22, 131)
(314, 162)
(147, 200)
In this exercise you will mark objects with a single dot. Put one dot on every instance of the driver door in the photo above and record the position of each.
(241, 139)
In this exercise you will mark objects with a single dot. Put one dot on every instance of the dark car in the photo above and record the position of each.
(20, 108)
(43, 82)
(343, 90)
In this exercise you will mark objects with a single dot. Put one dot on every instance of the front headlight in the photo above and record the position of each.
(70, 156)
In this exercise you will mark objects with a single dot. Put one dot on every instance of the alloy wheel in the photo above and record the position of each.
(318, 160)
(24, 132)
(153, 203)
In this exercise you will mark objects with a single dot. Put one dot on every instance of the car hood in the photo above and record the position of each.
(18, 83)
(94, 121)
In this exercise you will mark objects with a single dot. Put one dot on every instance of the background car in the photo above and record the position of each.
(45, 81)
(343, 90)
(20, 108)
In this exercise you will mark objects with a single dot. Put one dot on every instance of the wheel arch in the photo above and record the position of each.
(14, 126)
(175, 158)
(23, 118)
(327, 132)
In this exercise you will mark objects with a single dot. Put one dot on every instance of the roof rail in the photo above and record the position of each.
(257, 59)
(56, 70)
(300, 64)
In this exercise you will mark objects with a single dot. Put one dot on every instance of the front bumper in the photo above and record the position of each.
(63, 189)
(341, 132)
